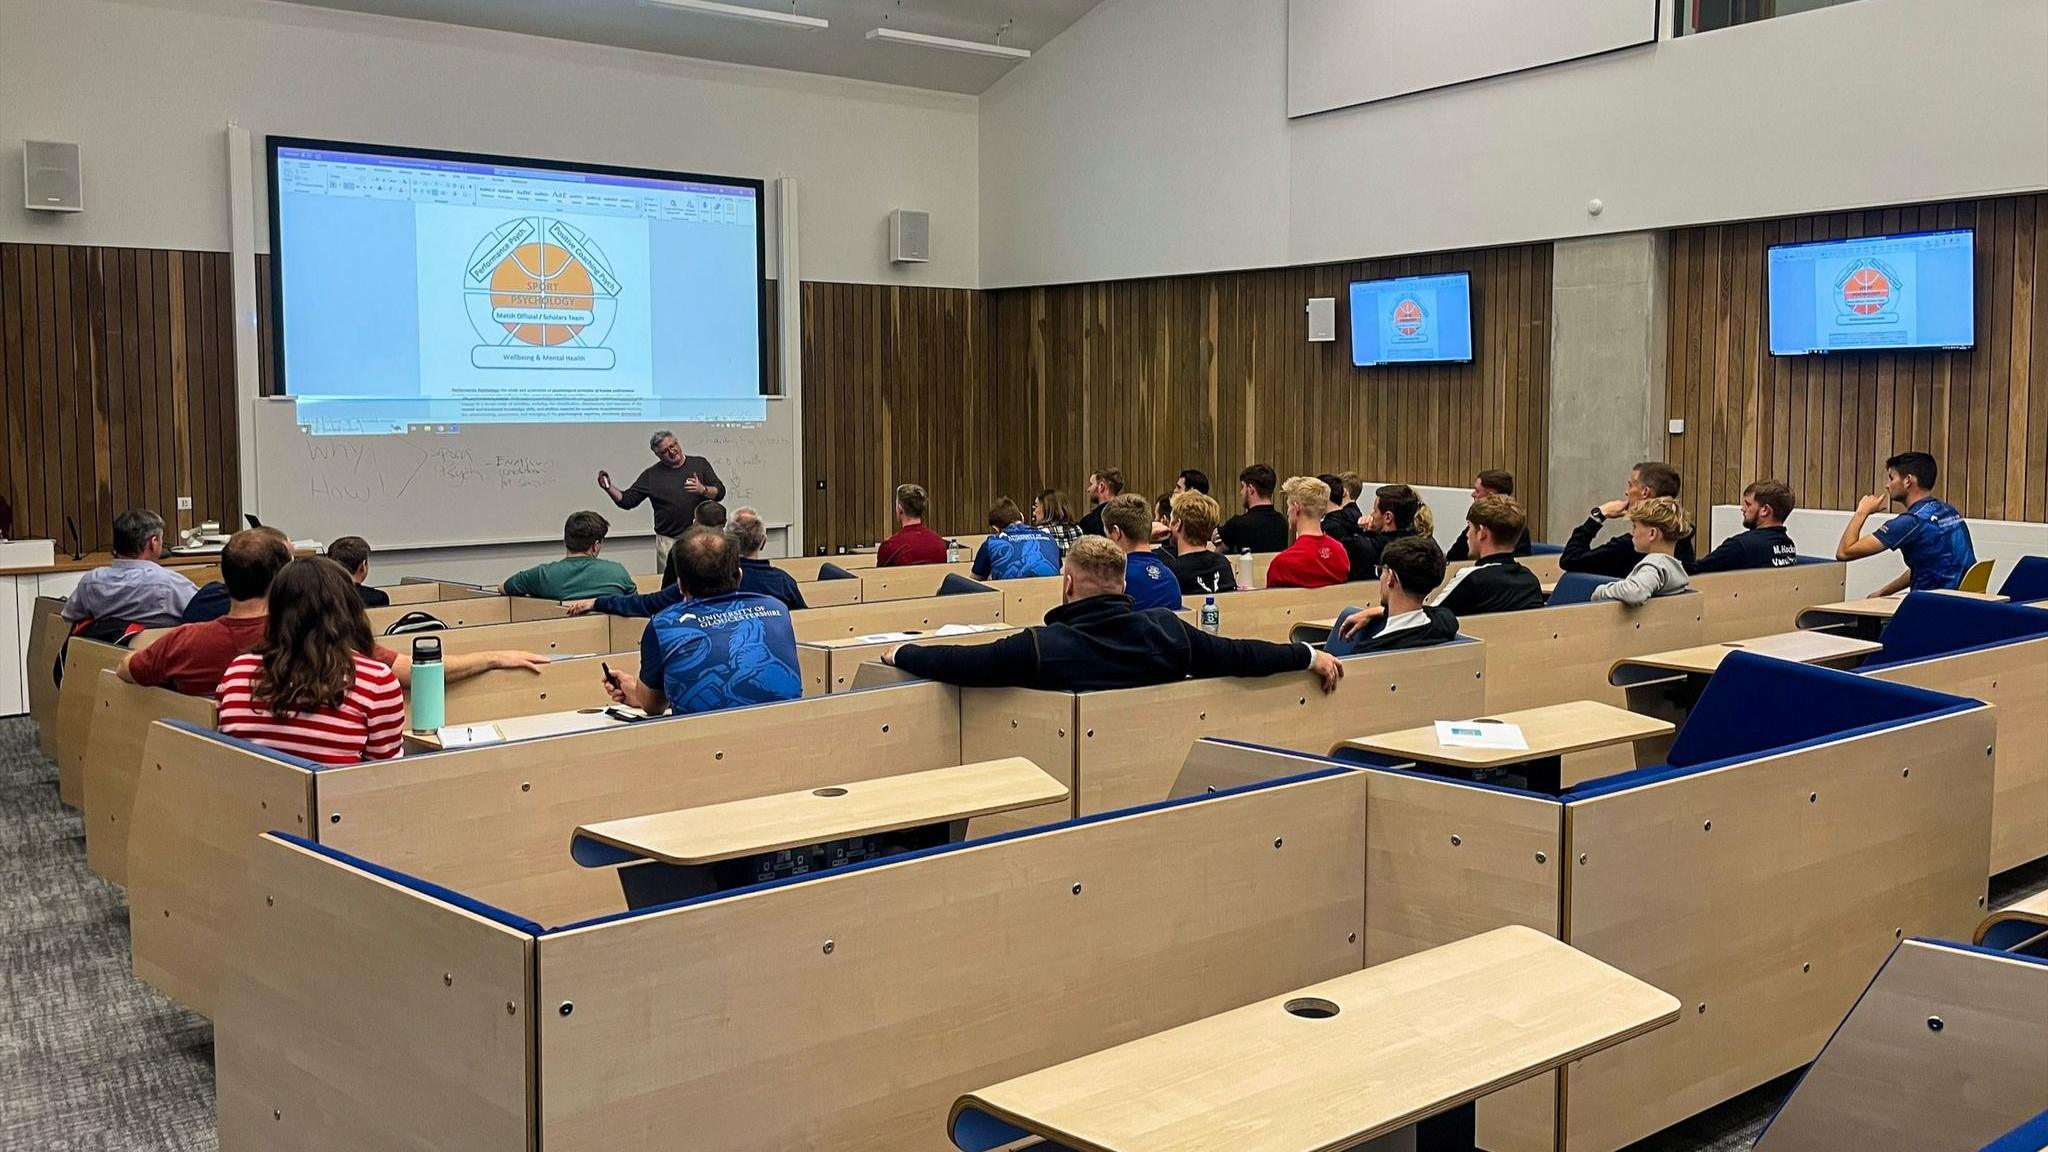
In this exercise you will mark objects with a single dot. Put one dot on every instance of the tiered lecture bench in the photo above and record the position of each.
(1667, 684)
(1390, 1057)
(1866, 618)
(513, 728)
(670, 856)
(1551, 732)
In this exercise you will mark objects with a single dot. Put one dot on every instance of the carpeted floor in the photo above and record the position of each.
(91, 1058)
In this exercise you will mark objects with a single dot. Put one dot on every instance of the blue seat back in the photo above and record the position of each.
(1576, 588)
(1929, 624)
(1755, 704)
(1546, 549)
(957, 585)
(2027, 581)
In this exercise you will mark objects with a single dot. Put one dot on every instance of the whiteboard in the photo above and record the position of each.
(498, 483)
(1346, 52)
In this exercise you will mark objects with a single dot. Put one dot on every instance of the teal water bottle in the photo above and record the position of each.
(429, 685)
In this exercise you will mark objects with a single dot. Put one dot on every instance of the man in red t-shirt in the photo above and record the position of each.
(913, 543)
(191, 657)
(1313, 560)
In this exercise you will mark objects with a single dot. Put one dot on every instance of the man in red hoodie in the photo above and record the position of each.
(913, 543)
(1313, 560)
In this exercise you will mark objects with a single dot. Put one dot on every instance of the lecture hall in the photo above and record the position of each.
(987, 575)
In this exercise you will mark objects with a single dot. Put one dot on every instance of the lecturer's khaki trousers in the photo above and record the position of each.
(663, 545)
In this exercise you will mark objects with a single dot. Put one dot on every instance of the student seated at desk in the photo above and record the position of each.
(1260, 527)
(581, 574)
(134, 589)
(1200, 569)
(192, 658)
(1313, 560)
(314, 687)
(1490, 482)
(1096, 640)
(720, 647)
(1410, 569)
(214, 598)
(1151, 584)
(1397, 513)
(1051, 513)
(353, 554)
(1015, 550)
(1930, 535)
(1763, 543)
(709, 514)
(1646, 481)
(1657, 527)
(913, 543)
(1495, 581)
(757, 576)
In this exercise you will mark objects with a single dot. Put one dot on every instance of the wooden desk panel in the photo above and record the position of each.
(453, 613)
(805, 568)
(1409, 1039)
(909, 581)
(1553, 730)
(728, 831)
(1807, 647)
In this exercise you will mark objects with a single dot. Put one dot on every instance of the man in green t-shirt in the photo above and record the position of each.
(580, 575)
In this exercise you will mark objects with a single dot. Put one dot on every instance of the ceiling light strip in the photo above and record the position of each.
(741, 12)
(973, 47)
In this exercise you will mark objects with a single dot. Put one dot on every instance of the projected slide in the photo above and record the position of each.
(1414, 320)
(1875, 293)
(428, 291)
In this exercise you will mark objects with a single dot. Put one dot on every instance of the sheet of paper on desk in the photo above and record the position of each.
(968, 629)
(468, 735)
(1480, 734)
(886, 637)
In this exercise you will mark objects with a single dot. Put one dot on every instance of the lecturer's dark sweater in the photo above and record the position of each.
(1098, 644)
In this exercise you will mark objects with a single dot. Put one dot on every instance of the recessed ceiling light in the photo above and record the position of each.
(741, 12)
(974, 47)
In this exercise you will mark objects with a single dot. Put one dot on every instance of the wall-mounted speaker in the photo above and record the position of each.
(1322, 319)
(910, 237)
(52, 177)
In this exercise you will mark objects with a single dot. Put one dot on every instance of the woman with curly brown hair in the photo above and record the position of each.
(314, 687)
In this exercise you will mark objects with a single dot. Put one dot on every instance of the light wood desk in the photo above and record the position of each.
(1552, 733)
(672, 855)
(526, 727)
(1412, 1039)
(1867, 617)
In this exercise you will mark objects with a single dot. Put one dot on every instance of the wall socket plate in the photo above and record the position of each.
(184, 503)
(1677, 427)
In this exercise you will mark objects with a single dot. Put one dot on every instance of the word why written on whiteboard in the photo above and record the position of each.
(370, 477)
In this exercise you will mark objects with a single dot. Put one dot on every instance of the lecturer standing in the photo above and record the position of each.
(677, 483)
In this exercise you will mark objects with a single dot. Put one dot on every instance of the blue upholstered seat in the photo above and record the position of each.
(1755, 705)
(2027, 581)
(1575, 588)
(1929, 624)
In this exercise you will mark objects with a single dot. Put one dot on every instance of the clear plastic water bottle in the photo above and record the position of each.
(1212, 617)
(952, 551)
(1244, 569)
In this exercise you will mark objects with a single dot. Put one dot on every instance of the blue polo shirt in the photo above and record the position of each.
(722, 652)
(1150, 583)
(1017, 552)
(1933, 540)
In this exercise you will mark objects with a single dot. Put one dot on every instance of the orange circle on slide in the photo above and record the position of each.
(541, 276)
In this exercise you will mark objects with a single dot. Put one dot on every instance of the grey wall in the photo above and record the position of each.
(1607, 358)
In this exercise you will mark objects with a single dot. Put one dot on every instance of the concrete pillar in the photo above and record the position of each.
(1607, 363)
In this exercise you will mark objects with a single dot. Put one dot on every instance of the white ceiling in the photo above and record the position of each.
(841, 50)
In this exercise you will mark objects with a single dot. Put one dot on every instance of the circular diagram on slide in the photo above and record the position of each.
(536, 282)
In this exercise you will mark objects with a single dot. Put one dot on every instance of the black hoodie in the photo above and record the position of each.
(1756, 548)
(1098, 644)
(1439, 626)
(1203, 572)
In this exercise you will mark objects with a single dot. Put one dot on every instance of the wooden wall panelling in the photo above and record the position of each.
(1825, 424)
(116, 369)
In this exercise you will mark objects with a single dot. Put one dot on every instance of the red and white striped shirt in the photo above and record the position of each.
(367, 726)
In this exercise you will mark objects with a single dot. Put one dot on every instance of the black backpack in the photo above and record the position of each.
(412, 622)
